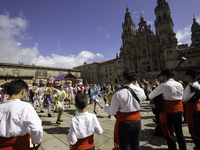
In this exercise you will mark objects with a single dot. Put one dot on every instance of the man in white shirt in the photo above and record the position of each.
(127, 111)
(172, 109)
(192, 106)
(17, 119)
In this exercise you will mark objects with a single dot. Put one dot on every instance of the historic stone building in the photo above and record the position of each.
(29, 73)
(145, 52)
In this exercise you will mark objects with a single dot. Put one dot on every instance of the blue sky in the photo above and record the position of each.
(67, 33)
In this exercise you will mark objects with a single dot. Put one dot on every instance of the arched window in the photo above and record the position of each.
(159, 18)
(164, 16)
(144, 51)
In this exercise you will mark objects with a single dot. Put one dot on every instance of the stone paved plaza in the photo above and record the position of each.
(54, 137)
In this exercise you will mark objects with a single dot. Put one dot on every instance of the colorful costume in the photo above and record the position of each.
(50, 91)
(69, 92)
(41, 93)
(35, 93)
(60, 99)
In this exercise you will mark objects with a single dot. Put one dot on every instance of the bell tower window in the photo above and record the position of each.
(159, 18)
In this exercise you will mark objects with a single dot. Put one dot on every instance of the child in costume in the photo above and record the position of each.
(60, 103)
(17, 119)
(78, 136)
(50, 90)
(41, 93)
(69, 93)
(35, 93)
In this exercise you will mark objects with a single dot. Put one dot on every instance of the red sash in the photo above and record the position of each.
(124, 117)
(169, 106)
(84, 143)
(189, 109)
(15, 143)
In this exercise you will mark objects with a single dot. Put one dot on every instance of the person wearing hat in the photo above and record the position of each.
(192, 107)
(35, 93)
(50, 91)
(69, 93)
(171, 113)
(41, 93)
(126, 107)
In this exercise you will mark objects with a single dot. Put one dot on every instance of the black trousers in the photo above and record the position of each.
(174, 122)
(129, 135)
(92, 148)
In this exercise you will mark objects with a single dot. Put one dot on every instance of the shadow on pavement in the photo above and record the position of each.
(56, 130)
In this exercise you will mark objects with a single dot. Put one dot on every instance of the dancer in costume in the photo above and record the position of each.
(35, 92)
(79, 85)
(41, 93)
(60, 103)
(50, 99)
(69, 93)
(57, 84)
(95, 97)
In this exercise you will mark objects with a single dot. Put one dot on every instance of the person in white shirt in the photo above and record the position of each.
(127, 110)
(17, 119)
(191, 97)
(172, 108)
(83, 126)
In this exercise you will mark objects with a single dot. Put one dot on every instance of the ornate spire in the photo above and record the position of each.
(141, 18)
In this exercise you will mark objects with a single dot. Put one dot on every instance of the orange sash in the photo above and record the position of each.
(124, 117)
(15, 143)
(84, 143)
(169, 106)
(189, 109)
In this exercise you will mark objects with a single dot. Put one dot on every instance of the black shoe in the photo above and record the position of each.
(55, 111)
(95, 112)
(41, 111)
(58, 122)
(69, 106)
(105, 100)
(109, 116)
(101, 107)
(49, 115)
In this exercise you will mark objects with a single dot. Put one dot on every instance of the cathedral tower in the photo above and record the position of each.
(164, 24)
(195, 29)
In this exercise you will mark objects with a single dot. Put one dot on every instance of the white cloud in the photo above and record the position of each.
(184, 35)
(101, 29)
(12, 51)
(65, 61)
(135, 14)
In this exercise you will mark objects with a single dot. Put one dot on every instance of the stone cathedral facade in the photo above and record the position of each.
(145, 52)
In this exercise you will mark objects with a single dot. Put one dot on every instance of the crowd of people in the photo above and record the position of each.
(170, 99)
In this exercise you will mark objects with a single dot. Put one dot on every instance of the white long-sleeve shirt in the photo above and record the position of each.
(123, 100)
(187, 95)
(83, 125)
(17, 118)
(170, 90)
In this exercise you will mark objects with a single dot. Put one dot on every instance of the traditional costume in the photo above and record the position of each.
(78, 136)
(192, 108)
(41, 93)
(69, 92)
(50, 91)
(35, 93)
(127, 111)
(18, 118)
(172, 109)
(79, 85)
